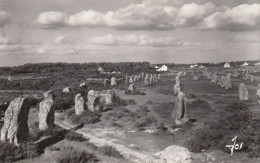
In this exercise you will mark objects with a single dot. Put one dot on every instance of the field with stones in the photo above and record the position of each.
(135, 115)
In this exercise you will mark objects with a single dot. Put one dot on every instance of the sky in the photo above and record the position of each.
(157, 31)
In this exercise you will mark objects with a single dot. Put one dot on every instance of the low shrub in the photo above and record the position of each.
(119, 102)
(145, 121)
(164, 109)
(236, 106)
(191, 95)
(87, 117)
(11, 153)
(201, 104)
(71, 155)
(73, 136)
(135, 92)
(131, 102)
(215, 135)
(110, 151)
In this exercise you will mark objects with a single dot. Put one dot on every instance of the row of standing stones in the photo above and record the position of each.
(15, 128)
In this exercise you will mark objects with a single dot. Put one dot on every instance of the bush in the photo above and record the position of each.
(71, 155)
(191, 95)
(87, 117)
(236, 106)
(145, 121)
(36, 134)
(201, 104)
(215, 135)
(73, 136)
(134, 92)
(119, 102)
(131, 102)
(11, 153)
(110, 151)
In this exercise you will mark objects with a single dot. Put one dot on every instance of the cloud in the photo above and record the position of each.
(4, 18)
(60, 40)
(133, 17)
(139, 40)
(51, 19)
(242, 17)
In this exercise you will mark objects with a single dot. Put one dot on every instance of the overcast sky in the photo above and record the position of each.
(158, 31)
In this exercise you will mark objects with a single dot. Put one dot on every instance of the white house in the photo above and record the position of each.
(245, 64)
(227, 65)
(163, 68)
(257, 64)
(101, 70)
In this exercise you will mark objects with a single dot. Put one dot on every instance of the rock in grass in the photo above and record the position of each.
(175, 154)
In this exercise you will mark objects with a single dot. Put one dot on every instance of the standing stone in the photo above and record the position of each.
(222, 81)
(156, 78)
(214, 78)
(251, 78)
(15, 128)
(131, 87)
(79, 104)
(258, 93)
(46, 113)
(135, 78)
(131, 80)
(179, 113)
(175, 154)
(228, 84)
(235, 74)
(126, 80)
(146, 80)
(151, 79)
(113, 81)
(142, 75)
(106, 82)
(93, 101)
(159, 76)
(196, 78)
(243, 92)
(110, 96)
(176, 87)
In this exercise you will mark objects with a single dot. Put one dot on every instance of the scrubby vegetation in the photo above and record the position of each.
(110, 151)
(87, 117)
(73, 136)
(134, 92)
(11, 153)
(217, 134)
(72, 155)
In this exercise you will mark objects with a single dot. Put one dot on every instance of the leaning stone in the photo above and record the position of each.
(179, 113)
(15, 128)
(46, 114)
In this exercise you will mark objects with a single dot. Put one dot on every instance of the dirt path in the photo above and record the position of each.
(99, 140)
